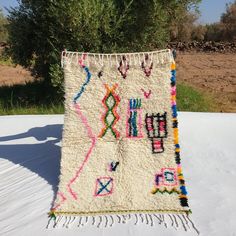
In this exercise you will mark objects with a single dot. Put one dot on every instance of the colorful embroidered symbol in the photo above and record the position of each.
(104, 186)
(156, 126)
(88, 77)
(134, 119)
(113, 165)
(165, 190)
(123, 67)
(100, 73)
(146, 94)
(158, 179)
(110, 117)
(147, 66)
(157, 145)
(167, 177)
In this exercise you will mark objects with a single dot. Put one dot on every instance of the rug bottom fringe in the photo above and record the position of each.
(167, 220)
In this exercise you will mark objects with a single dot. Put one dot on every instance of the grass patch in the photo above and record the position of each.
(39, 98)
(5, 59)
(191, 99)
(32, 110)
(32, 98)
(6, 62)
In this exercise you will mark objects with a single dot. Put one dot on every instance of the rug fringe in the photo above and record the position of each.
(175, 221)
(160, 57)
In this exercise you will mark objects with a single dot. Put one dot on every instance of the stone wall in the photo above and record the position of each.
(222, 47)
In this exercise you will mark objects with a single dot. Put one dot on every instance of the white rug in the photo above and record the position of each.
(120, 148)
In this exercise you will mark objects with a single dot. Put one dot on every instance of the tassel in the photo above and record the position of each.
(83, 221)
(186, 221)
(80, 219)
(147, 221)
(112, 220)
(57, 221)
(176, 222)
(162, 56)
(68, 221)
(141, 216)
(119, 219)
(151, 219)
(182, 222)
(86, 220)
(122, 219)
(136, 219)
(193, 225)
(158, 219)
(100, 218)
(104, 221)
(65, 222)
(93, 222)
(73, 220)
(51, 216)
(163, 220)
(172, 222)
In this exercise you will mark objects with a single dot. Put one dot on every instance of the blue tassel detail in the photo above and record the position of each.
(183, 190)
(173, 72)
(174, 110)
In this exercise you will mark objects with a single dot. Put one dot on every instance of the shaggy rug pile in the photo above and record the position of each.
(120, 149)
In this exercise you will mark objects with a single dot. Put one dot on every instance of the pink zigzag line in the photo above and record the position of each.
(63, 198)
(93, 138)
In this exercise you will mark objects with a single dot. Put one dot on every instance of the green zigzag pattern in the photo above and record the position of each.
(173, 190)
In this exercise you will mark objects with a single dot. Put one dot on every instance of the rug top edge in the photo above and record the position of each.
(117, 54)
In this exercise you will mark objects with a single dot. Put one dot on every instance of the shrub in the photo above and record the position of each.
(40, 30)
(3, 28)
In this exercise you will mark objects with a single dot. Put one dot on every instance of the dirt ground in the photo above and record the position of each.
(14, 75)
(213, 73)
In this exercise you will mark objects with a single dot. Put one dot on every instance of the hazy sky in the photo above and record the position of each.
(211, 10)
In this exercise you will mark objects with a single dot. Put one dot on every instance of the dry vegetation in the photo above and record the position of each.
(14, 75)
(11, 74)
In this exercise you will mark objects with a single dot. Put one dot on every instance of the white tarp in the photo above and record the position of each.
(29, 169)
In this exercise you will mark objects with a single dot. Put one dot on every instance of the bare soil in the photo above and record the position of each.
(213, 73)
(10, 75)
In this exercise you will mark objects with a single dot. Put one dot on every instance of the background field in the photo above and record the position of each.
(214, 74)
(206, 82)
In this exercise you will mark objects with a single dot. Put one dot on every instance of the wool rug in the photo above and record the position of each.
(120, 149)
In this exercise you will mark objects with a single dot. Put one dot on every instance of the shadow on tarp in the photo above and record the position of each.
(40, 158)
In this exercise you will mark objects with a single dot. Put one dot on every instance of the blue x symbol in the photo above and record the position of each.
(104, 186)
